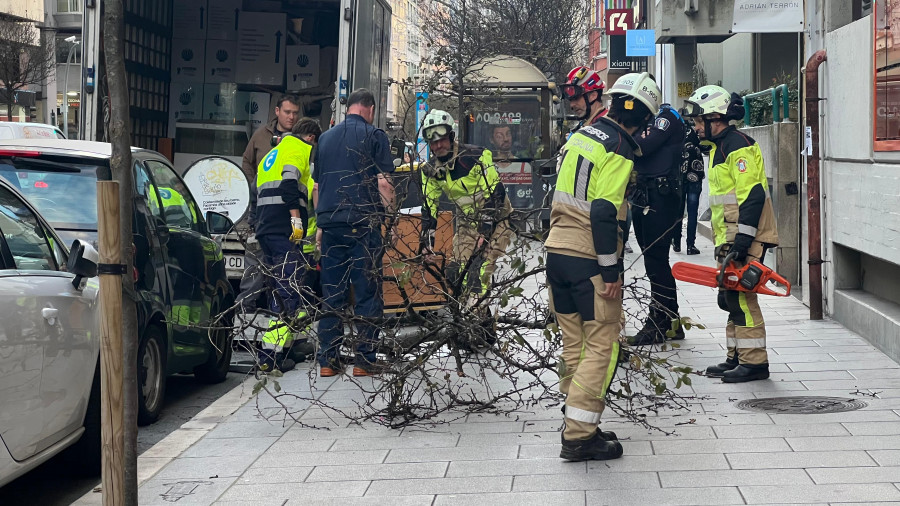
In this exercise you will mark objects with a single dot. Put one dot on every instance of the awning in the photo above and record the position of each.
(768, 16)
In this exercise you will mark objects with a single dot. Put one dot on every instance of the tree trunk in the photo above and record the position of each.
(120, 164)
(9, 105)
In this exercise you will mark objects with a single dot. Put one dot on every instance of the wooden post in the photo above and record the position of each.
(112, 413)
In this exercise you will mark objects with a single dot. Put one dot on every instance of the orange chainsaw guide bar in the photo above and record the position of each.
(752, 277)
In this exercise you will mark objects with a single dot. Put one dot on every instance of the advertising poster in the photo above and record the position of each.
(219, 185)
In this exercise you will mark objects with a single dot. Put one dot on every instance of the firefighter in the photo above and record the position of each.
(743, 221)
(281, 213)
(583, 269)
(584, 92)
(466, 174)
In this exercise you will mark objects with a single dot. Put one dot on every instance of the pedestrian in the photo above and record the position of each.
(743, 222)
(287, 110)
(467, 176)
(583, 268)
(692, 174)
(655, 213)
(282, 211)
(353, 163)
(309, 131)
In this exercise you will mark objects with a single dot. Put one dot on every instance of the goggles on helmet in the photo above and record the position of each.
(436, 132)
(571, 91)
(691, 109)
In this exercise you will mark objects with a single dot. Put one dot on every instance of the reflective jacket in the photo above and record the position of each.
(309, 241)
(594, 170)
(470, 181)
(738, 194)
(281, 186)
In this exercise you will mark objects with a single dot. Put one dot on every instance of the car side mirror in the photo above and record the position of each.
(83, 259)
(218, 223)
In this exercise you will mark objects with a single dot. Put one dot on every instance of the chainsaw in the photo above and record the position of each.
(752, 277)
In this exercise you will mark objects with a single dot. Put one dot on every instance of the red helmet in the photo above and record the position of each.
(580, 81)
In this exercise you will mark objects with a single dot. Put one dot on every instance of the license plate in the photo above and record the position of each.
(234, 262)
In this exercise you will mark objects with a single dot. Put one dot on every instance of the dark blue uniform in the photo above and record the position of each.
(655, 211)
(350, 213)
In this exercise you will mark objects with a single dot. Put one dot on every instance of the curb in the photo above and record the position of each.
(178, 441)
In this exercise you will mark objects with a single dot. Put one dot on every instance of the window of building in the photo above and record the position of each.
(887, 75)
(68, 5)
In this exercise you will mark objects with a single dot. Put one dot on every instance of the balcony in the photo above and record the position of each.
(693, 21)
(68, 14)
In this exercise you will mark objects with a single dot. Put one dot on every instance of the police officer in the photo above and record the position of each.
(655, 212)
(466, 174)
(281, 212)
(743, 222)
(583, 251)
(692, 174)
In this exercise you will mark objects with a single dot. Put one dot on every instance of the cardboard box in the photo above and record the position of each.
(221, 59)
(189, 19)
(188, 57)
(302, 67)
(223, 20)
(253, 107)
(423, 290)
(185, 104)
(220, 102)
(261, 48)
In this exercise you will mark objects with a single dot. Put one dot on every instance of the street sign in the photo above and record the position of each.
(618, 21)
(618, 60)
(640, 43)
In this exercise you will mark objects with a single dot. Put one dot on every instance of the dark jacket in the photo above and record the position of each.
(348, 160)
(661, 145)
(260, 144)
(692, 162)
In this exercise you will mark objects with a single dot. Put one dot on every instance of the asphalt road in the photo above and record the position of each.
(52, 484)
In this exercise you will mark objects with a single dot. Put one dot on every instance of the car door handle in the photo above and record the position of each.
(50, 314)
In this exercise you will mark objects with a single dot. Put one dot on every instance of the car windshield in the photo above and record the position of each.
(64, 193)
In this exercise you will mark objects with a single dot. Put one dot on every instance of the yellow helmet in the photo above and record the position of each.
(710, 99)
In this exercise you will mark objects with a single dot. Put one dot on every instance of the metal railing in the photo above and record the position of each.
(778, 113)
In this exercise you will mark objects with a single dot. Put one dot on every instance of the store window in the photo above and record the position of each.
(887, 75)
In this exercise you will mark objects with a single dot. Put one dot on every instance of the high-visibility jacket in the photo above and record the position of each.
(176, 210)
(738, 190)
(309, 242)
(282, 181)
(470, 180)
(594, 169)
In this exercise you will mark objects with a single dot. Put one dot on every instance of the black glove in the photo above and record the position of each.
(741, 246)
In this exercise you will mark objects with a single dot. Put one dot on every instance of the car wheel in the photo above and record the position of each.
(151, 376)
(216, 367)
(85, 456)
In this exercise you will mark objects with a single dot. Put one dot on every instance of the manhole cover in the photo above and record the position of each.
(802, 405)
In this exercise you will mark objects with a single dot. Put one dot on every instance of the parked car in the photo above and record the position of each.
(179, 268)
(16, 130)
(49, 343)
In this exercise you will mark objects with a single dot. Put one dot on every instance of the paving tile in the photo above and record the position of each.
(733, 478)
(875, 373)
(886, 457)
(512, 499)
(297, 433)
(588, 481)
(206, 467)
(849, 365)
(632, 463)
(309, 492)
(519, 467)
(248, 429)
(521, 438)
(452, 454)
(862, 415)
(468, 485)
(810, 376)
(193, 492)
(855, 475)
(804, 444)
(798, 460)
(872, 428)
(368, 472)
(175, 443)
(818, 493)
(682, 496)
(779, 430)
(410, 500)
(392, 443)
(852, 384)
(208, 447)
(485, 427)
(549, 451)
(755, 386)
(255, 476)
(671, 447)
(305, 459)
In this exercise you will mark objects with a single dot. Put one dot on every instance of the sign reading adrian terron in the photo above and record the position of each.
(768, 16)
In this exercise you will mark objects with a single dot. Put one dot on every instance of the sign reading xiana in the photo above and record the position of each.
(755, 16)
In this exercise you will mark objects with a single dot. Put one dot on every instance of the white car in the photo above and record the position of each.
(49, 343)
(15, 130)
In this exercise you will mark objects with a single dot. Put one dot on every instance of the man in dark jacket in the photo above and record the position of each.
(691, 186)
(655, 212)
(353, 163)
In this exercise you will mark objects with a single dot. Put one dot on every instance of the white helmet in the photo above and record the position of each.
(437, 125)
(708, 99)
(640, 86)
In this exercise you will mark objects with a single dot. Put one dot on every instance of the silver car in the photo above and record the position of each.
(49, 343)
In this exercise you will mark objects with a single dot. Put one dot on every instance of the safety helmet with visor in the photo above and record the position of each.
(710, 99)
(437, 125)
(582, 80)
(639, 86)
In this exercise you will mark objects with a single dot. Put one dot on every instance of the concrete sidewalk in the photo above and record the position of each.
(229, 454)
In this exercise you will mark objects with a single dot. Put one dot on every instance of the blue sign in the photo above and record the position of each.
(421, 111)
(640, 43)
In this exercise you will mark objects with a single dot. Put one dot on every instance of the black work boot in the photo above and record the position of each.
(744, 373)
(676, 246)
(653, 332)
(716, 371)
(692, 250)
(593, 448)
